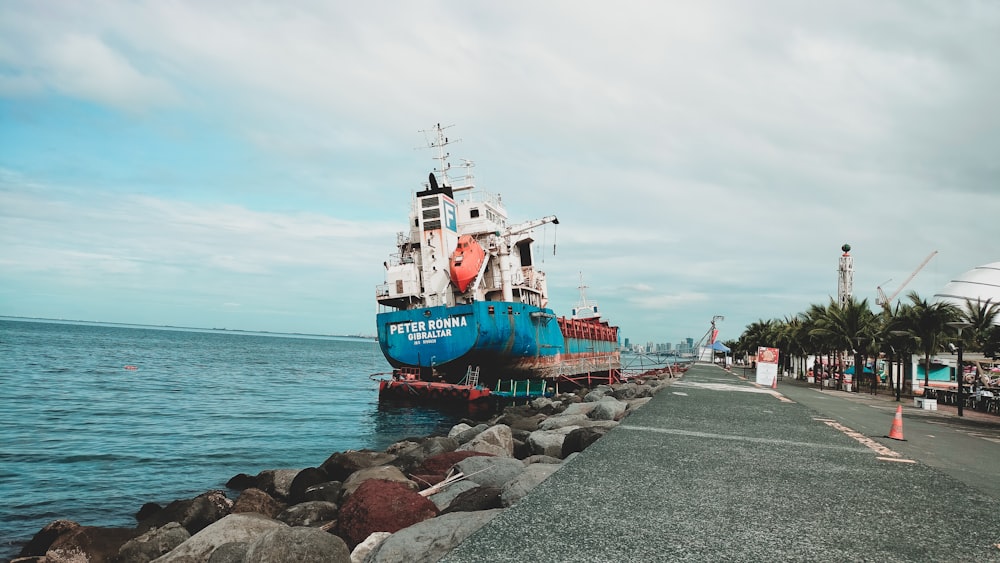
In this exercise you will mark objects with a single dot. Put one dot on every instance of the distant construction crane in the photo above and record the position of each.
(886, 302)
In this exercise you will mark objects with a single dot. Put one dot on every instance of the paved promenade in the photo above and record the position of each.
(716, 469)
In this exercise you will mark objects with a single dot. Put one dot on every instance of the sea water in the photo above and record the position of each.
(97, 419)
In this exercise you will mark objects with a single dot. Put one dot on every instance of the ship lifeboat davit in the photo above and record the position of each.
(466, 261)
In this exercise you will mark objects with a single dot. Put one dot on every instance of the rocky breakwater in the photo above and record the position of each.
(413, 502)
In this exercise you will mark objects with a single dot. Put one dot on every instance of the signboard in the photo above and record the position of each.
(767, 366)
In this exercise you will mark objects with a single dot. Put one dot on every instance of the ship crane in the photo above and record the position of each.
(886, 302)
(506, 268)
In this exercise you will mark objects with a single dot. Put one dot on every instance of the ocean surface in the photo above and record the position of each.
(86, 439)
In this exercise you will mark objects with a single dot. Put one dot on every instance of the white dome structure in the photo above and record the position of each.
(981, 283)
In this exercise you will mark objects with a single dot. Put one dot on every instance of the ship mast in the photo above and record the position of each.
(440, 142)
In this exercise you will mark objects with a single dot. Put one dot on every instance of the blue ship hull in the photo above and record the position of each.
(503, 339)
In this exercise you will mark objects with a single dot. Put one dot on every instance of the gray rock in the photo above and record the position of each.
(194, 514)
(311, 513)
(444, 498)
(277, 482)
(474, 500)
(430, 540)
(542, 403)
(458, 429)
(597, 393)
(490, 471)
(153, 543)
(297, 545)
(233, 528)
(494, 440)
(255, 500)
(562, 420)
(581, 438)
(362, 550)
(578, 408)
(329, 491)
(518, 487)
(469, 433)
(548, 442)
(608, 409)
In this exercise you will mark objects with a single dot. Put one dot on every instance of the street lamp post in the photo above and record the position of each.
(892, 382)
(859, 367)
(960, 372)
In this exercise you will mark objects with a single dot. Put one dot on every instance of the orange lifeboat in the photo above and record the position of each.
(466, 261)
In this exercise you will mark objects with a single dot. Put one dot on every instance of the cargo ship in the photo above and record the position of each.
(465, 304)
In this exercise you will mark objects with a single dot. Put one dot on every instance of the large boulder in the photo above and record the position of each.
(277, 482)
(597, 394)
(430, 540)
(517, 488)
(256, 500)
(608, 409)
(563, 420)
(443, 498)
(233, 528)
(304, 479)
(517, 421)
(153, 544)
(41, 541)
(579, 439)
(473, 500)
(383, 472)
(382, 506)
(463, 432)
(340, 465)
(297, 545)
(329, 491)
(548, 442)
(309, 513)
(490, 471)
(495, 440)
(361, 551)
(578, 408)
(194, 514)
(88, 543)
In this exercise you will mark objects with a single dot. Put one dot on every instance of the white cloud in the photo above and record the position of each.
(690, 151)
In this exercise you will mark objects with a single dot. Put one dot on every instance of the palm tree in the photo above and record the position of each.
(981, 315)
(817, 341)
(928, 322)
(794, 342)
(757, 334)
(848, 327)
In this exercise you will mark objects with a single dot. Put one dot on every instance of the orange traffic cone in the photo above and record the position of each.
(774, 382)
(896, 432)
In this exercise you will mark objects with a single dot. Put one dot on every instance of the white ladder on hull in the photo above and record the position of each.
(472, 376)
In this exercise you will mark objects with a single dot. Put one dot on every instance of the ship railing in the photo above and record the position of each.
(603, 369)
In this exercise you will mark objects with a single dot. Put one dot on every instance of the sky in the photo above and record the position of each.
(247, 165)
